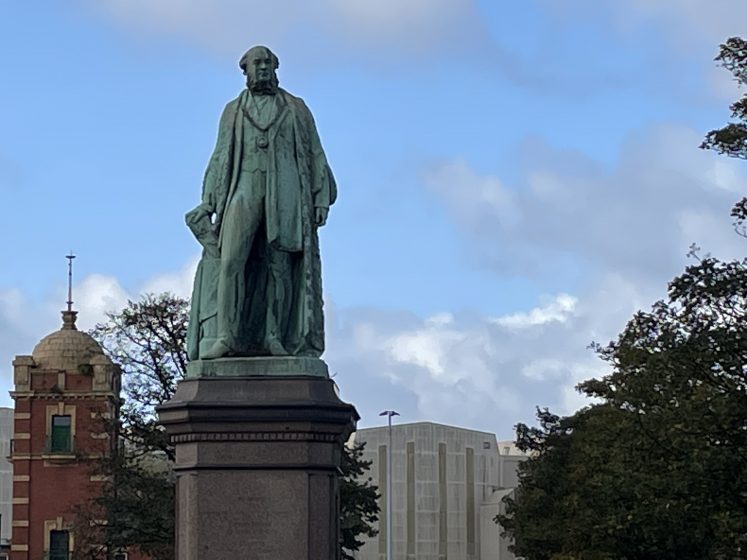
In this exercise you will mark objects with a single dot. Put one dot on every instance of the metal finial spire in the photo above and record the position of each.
(70, 258)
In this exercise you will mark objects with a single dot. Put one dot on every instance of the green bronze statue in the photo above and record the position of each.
(267, 190)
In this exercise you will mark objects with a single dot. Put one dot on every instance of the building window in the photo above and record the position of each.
(59, 544)
(60, 439)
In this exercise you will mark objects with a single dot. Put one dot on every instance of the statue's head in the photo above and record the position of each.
(259, 65)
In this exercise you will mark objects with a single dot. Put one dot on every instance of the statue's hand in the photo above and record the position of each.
(320, 216)
(203, 211)
(198, 214)
(199, 221)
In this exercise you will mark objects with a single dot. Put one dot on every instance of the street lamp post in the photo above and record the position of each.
(389, 414)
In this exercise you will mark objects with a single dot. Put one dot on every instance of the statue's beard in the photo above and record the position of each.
(263, 86)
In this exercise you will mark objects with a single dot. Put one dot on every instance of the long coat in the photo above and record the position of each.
(298, 181)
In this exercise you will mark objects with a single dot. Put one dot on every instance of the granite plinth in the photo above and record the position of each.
(257, 462)
(277, 366)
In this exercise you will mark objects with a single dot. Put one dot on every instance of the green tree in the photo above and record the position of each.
(359, 507)
(147, 339)
(657, 468)
(731, 140)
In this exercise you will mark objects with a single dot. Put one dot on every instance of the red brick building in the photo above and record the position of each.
(63, 393)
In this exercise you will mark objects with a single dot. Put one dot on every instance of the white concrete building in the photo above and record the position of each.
(448, 483)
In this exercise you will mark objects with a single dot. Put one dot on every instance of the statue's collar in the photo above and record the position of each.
(245, 108)
(262, 93)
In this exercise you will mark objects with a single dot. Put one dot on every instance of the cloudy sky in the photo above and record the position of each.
(516, 178)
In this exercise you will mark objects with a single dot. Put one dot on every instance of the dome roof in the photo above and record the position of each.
(67, 348)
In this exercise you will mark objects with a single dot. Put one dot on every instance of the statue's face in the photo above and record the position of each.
(260, 68)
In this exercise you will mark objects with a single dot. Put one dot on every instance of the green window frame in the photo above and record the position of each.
(60, 437)
(59, 545)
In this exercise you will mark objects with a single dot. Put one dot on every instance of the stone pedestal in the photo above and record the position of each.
(257, 461)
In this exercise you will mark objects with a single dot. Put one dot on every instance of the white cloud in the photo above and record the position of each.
(416, 24)
(178, 283)
(231, 25)
(714, 21)
(684, 21)
(725, 175)
(722, 84)
(467, 370)
(479, 371)
(440, 319)
(558, 310)
(570, 399)
(428, 347)
(637, 218)
(691, 30)
(482, 200)
(382, 15)
(21, 326)
(95, 296)
(544, 368)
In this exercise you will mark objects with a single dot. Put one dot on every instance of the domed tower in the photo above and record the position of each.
(65, 392)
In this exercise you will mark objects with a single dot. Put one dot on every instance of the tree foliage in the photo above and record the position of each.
(147, 339)
(359, 507)
(657, 467)
(731, 139)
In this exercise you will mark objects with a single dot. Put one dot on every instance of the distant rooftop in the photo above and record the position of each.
(425, 423)
(66, 348)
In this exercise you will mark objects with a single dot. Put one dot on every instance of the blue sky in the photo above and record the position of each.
(515, 178)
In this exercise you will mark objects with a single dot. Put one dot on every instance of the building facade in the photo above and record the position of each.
(447, 486)
(64, 393)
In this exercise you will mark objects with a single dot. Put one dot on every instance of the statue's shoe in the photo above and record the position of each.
(276, 348)
(218, 350)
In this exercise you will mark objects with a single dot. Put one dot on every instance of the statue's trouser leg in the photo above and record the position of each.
(239, 229)
(280, 297)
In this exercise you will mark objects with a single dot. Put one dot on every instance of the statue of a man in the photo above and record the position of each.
(267, 189)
